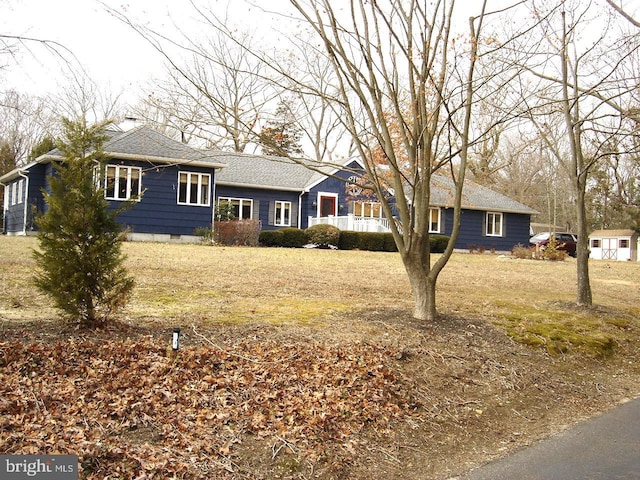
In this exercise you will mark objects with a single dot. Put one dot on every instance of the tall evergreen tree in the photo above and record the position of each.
(80, 260)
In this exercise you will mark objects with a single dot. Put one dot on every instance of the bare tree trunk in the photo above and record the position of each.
(577, 170)
(417, 260)
(584, 298)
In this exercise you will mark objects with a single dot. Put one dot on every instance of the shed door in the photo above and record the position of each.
(609, 248)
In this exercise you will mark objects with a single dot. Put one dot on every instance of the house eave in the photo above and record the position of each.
(488, 209)
(171, 161)
(13, 174)
(260, 187)
(143, 158)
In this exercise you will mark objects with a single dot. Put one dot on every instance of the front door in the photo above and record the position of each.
(327, 206)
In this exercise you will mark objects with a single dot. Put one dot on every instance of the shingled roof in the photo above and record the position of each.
(474, 197)
(144, 143)
(276, 173)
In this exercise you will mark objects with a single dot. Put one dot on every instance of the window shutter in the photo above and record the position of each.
(272, 212)
(485, 220)
(294, 214)
(504, 224)
(256, 210)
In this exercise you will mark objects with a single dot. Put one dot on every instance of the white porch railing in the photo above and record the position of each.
(352, 223)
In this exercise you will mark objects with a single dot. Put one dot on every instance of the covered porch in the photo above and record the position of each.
(352, 223)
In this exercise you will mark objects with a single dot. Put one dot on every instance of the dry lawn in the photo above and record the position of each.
(510, 361)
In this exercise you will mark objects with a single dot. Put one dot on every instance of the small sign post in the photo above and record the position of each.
(175, 343)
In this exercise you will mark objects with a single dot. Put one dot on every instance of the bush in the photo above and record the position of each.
(374, 242)
(207, 234)
(238, 232)
(522, 252)
(224, 212)
(438, 243)
(323, 235)
(285, 237)
(270, 238)
(552, 251)
(389, 243)
(349, 240)
(293, 238)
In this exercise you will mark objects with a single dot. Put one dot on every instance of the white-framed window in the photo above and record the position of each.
(434, 220)
(282, 217)
(367, 209)
(242, 207)
(194, 188)
(122, 182)
(20, 190)
(14, 192)
(494, 224)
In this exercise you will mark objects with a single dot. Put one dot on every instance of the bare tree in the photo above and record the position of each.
(216, 96)
(24, 121)
(311, 80)
(82, 98)
(404, 84)
(407, 86)
(588, 85)
(624, 13)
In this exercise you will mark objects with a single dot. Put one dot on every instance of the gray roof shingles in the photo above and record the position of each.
(265, 172)
(145, 142)
(474, 197)
(282, 173)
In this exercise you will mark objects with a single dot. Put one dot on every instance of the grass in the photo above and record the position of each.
(464, 387)
(529, 300)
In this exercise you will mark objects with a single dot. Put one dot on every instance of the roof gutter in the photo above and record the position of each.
(300, 208)
(145, 158)
(261, 187)
(25, 198)
(487, 209)
(152, 158)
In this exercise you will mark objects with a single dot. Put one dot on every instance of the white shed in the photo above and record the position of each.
(614, 245)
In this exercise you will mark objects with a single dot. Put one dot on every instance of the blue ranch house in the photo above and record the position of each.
(179, 186)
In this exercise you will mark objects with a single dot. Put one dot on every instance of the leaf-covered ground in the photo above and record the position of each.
(254, 401)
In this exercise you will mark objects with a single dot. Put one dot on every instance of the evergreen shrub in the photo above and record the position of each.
(293, 237)
(79, 260)
(270, 238)
(323, 235)
(438, 243)
(349, 240)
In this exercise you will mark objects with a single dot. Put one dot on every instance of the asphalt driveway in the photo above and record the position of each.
(605, 447)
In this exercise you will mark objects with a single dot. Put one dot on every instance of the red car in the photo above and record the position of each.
(566, 241)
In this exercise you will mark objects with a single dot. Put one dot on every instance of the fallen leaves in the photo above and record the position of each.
(131, 409)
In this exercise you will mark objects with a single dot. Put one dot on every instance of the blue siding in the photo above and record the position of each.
(14, 219)
(14, 212)
(515, 230)
(263, 202)
(329, 185)
(158, 210)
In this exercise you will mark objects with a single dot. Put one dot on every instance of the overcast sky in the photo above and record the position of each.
(111, 53)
